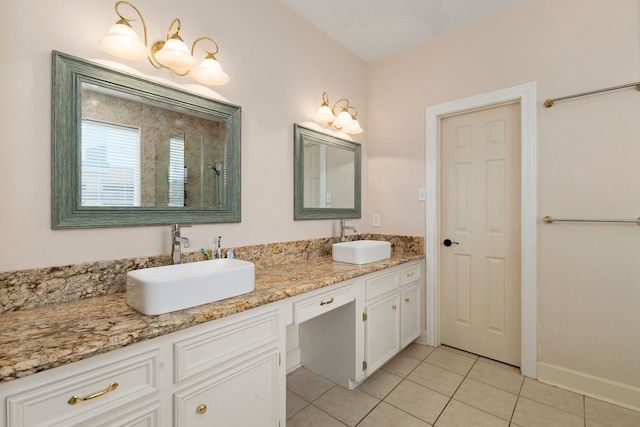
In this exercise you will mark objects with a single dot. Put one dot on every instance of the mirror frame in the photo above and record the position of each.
(68, 75)
(302, 134)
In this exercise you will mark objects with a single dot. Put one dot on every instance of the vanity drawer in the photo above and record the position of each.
(410, 274)
(202, 352)
(381, 284)
(321, 303)
(73, 398)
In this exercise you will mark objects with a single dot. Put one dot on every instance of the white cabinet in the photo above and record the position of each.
(410, 302)
(245, 395)
(410, 309)
(115, 389)
(391, 314)
(233, 374)
(382, 329)
(229, 370)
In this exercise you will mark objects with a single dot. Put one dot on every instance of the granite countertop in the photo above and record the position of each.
(41, 338)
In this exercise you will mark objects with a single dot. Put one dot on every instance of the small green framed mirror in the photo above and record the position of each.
(326, 176)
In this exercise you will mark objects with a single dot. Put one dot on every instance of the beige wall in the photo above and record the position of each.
(588, 167)
(279, 66)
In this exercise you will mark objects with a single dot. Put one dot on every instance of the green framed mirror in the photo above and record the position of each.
(326, 176)
(128, 151)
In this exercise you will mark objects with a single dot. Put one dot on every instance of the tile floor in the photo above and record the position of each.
(444, 387)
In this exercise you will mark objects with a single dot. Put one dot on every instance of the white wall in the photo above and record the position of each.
(279, 66)
(588, 167)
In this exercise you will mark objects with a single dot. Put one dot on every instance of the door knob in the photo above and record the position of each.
(448, 242)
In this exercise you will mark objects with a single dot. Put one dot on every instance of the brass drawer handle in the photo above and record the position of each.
(201, 409)
(411, 274)
(329, 301)
(76, 399)
(407, 300)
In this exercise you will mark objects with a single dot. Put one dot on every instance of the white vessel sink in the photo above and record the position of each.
(168, 288)
(361, 251)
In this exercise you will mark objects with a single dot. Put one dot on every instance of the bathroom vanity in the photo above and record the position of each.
(223, 363)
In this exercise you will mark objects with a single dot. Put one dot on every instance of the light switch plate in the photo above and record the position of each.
(376, 220)
(422, 193)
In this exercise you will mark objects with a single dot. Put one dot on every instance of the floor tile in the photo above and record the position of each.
(487, 398)
(311, 416)
(417, 351)
(436, 378)
(529, 413)
(380, 384)
(451, 361)
(294, 403)
(457, 414)
(390, 416)
(458, 351)
(347, 406)
(418, 401)
(597, 411)
(496, 376)
(401, 365)
(553, 396)
(307, 384)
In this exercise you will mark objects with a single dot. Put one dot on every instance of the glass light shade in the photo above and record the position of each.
(210, 72)
(175, 54)
(324, 114)
(343, 120)
(123, 42)
(354, 128)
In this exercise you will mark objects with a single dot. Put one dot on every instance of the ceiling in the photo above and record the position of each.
(374, 29)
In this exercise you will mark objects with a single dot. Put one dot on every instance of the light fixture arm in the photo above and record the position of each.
(175, 35)
(126, 21)
(209, 54)
(325, 99)
(346, 106)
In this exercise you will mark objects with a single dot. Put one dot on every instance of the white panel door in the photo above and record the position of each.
(480, 231)
(315, 177)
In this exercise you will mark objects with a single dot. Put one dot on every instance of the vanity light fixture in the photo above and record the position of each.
(122, 41)
(344, 121)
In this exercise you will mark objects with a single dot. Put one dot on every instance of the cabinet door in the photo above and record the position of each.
(245, 395)
(410, 302)
(382, 329)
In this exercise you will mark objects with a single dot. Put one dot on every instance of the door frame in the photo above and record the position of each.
(526, 95)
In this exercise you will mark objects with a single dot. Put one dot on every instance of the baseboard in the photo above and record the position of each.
(293, 359)
(422, 339)
(599, 388)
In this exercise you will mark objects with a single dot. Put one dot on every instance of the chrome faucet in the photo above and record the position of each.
(176, 240)
(345, 227)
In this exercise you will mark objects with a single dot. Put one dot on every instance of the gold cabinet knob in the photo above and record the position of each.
(407, 300)
(201, 409)
(394, 307)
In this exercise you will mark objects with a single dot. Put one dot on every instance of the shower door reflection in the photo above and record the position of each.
(190, 172)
